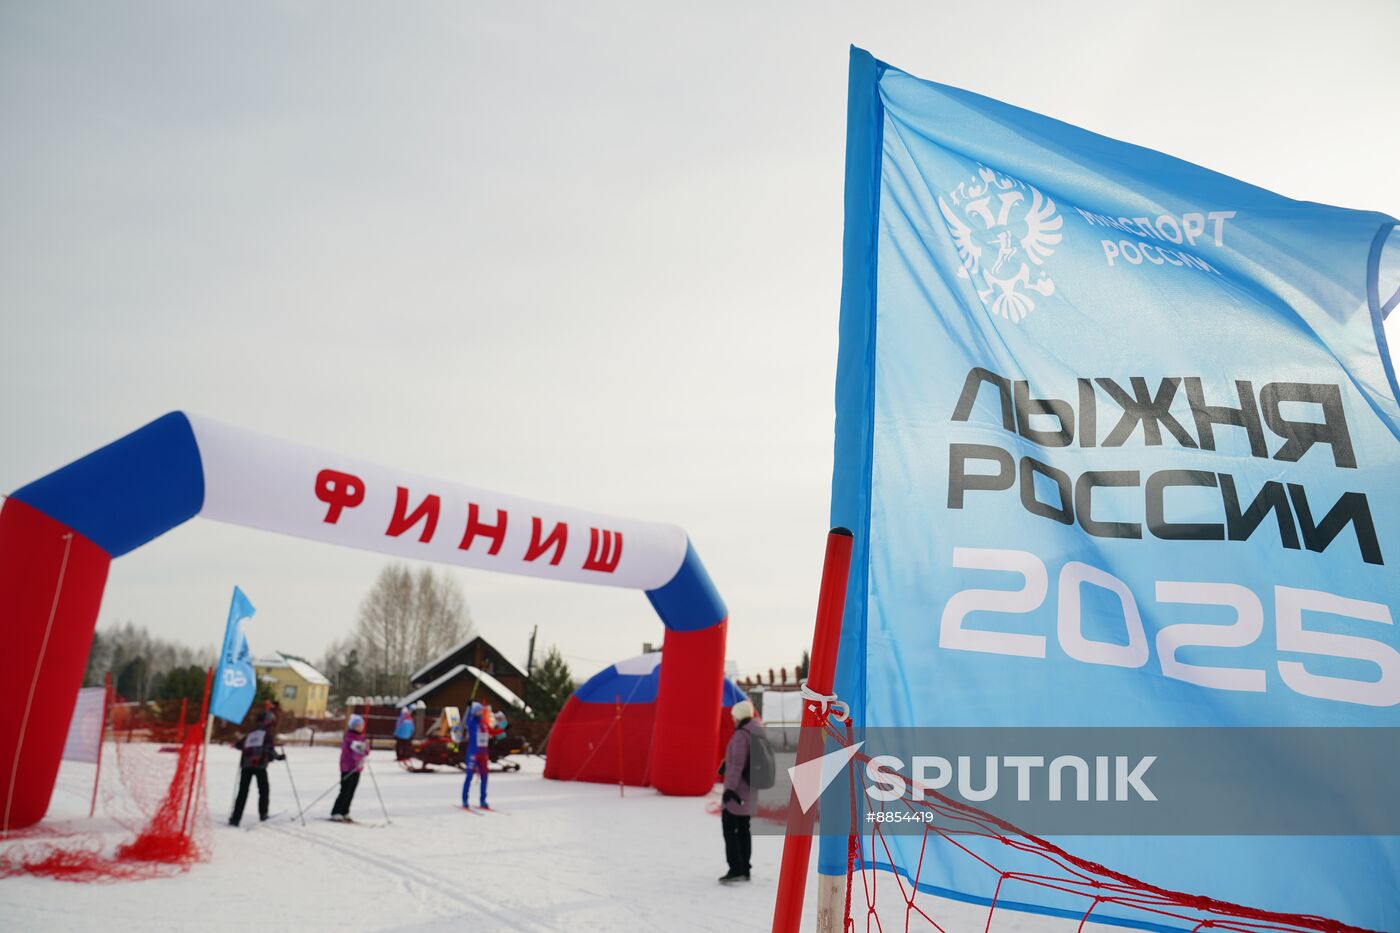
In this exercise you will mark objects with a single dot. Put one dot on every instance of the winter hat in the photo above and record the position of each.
(356, 723)
(742, 710)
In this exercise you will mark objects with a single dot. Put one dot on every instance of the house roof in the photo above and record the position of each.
(486, 680)
(498, 688)
(299, 667)
(459, 654)
(426, 689)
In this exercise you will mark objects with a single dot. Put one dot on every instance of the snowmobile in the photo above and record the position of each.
(503, 746)
(442, 751)
(435, 750)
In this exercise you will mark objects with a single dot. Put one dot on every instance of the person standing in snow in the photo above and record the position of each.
(354, 749)
(403, 735)
(478, 726)
(737, 805)
(258, 753)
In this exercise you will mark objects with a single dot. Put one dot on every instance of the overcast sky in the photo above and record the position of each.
(585, 253)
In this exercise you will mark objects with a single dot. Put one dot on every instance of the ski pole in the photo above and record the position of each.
(370, 768)
(336, 786)
(292, 781)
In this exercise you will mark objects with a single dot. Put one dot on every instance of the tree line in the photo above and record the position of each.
(405, 621)
(145, 666)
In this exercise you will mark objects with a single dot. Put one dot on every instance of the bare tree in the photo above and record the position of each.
(404, 622)
(440, 618)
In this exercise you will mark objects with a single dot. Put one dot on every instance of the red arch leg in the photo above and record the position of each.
(51, 581)
(687, 711)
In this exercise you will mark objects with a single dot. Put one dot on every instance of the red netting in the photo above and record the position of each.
(155, 792)
(880, 900)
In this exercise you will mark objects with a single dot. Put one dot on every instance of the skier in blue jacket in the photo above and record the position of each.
(477, 757)
(403, 734)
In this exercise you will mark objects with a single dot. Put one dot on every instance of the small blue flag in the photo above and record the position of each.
(235, 684)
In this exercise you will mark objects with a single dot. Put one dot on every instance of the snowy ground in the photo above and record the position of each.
(557, 856)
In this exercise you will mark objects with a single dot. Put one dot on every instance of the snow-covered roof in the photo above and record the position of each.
(299, 667)
(426, 689)
(496, 686)
(460, 648)
(442, 657)
(485, 679)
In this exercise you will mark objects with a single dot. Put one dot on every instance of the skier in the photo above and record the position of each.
(738, 802)
(258, 752)
(478, 726)
(354, 749)
(403, 735)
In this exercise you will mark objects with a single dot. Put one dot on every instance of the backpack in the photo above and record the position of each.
(763, 770)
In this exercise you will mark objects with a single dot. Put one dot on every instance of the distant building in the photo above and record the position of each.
(472, 670)
(296, 685)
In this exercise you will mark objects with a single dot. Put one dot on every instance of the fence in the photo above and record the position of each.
(166, 722)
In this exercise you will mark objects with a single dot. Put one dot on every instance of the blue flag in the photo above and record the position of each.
(1117, 436)
(235, 682)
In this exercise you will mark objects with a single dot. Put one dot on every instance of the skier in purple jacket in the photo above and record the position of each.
(354, 749)
(738, 801)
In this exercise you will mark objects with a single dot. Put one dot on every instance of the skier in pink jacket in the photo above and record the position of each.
(354, 749)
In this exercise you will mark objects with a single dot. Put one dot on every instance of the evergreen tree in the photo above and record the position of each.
(180, 683)
(95, 673)
(341, 665)
(132, 678)
(550, 687)
(352, 679)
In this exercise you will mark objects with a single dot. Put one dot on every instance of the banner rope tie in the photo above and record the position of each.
(827, 705)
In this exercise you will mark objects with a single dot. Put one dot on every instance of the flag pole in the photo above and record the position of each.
(797, 844)
(101, 738)
(200, 757)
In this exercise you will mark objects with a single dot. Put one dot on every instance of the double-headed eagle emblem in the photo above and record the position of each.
(1004, 229)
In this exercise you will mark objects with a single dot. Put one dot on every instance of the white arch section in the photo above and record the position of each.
(265, 482)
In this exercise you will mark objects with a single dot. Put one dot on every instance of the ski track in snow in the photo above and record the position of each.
(560, 856)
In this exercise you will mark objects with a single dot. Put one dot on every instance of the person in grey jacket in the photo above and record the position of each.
(738, 803)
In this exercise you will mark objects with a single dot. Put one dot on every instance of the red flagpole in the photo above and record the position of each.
(797, 845)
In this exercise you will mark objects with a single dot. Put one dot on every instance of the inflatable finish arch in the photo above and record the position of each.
(59, 534)
(606, 730)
